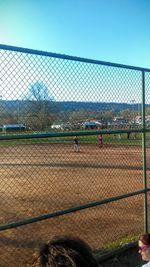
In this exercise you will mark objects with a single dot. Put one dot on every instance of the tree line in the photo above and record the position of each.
(38, 110)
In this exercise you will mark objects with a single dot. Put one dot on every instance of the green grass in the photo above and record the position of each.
(119, 243)
(116, 244)
(88, 139)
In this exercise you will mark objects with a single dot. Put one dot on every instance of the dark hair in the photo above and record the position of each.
(145, 239)
(65, 251)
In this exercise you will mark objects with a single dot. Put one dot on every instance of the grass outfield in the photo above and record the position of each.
(91, 139)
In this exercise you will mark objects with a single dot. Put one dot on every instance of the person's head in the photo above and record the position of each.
(144, 246)
(65, 251)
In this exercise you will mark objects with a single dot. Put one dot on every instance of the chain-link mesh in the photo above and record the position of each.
(45, 101)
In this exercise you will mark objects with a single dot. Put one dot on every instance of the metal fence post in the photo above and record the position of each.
(144, 155)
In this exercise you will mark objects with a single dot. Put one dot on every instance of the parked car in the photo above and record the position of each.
(89, 125)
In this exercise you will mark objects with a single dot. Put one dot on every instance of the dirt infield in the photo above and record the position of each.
(39, 179)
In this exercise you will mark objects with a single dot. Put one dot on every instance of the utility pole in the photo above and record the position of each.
(133, 117)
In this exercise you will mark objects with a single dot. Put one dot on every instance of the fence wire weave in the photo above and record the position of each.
(73, 133)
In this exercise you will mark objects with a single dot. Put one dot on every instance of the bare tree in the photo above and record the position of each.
(40, 107)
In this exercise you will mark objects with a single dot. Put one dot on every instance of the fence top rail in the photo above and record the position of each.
(73, 58)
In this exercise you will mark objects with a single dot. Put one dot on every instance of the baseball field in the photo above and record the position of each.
(42, 178)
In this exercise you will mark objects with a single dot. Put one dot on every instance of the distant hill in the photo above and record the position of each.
(74, 106)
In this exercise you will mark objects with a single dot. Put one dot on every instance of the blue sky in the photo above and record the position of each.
(109, 30)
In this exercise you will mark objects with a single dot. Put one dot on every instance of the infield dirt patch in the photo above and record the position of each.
(40, 179)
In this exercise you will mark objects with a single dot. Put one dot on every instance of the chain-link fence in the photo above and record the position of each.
(74, 151)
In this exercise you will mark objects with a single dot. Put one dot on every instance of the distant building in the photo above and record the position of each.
(13, 127)
(138, 119)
